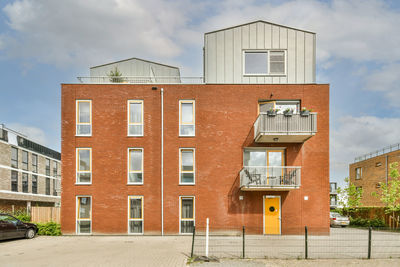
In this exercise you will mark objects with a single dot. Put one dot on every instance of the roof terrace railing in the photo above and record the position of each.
(141, 80)
(379, 152)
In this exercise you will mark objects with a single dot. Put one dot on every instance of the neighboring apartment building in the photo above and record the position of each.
(30, 173)
(333, 195)
(373, 168)
(142, 156)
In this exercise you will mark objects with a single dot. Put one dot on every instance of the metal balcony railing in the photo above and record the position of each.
(141, 80)
(264, 178)
(281, 128)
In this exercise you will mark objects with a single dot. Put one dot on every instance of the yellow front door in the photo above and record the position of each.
(272, 210)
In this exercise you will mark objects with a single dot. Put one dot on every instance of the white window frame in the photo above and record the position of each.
(129, 117)
(269, 62)
(77, 219)
(77, 117)
(184, 219)
(77, 166)
(361, 171)
(193, 102)
(135, 171)
(129, 211)
(194, 166)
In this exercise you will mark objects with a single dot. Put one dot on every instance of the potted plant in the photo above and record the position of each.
(305, 112)
(272, 112)
(288, 112)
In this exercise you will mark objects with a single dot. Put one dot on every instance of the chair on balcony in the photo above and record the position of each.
(254, 178)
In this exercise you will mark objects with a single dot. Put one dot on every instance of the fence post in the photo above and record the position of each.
(207, 229)
(194, 233)
(243, 241)
(306, 242)
(369, 242)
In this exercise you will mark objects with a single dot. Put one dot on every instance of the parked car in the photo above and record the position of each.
(11, 227)
(339, 220)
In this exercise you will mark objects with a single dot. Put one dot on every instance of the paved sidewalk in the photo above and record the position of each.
(96, 251)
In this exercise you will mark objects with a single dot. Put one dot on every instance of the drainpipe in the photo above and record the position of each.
(162, 161)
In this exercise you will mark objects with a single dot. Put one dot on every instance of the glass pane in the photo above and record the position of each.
(135, 112)
(187, 130)
(83, 129)
(187, 160)
(84, 177)
(277, 67)
(275, 159)
(187, 112)
(84, 227)
(135, 227)
(187, 226)
(84, 159)
(256, 62)
(25, 156)
(84, 112)
(187, 177)
(135, 160)
(34, 184)
(84, 207)
(136, 177)
(136, 208)
(254, 158)
(135, 130)
(187, 208)
(14, 181)
(25, 182)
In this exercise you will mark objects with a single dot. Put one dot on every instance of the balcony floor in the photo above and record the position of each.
(283, 137)
(268, 188)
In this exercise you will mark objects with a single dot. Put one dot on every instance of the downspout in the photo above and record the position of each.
(387, 178)
(162, 161)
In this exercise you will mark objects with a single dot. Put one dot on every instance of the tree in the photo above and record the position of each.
(389, 193)
(115, 76)
(350, 196)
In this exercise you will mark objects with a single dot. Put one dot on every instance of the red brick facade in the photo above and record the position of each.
(224, 119)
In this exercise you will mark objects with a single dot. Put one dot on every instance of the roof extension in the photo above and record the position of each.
(135, 59)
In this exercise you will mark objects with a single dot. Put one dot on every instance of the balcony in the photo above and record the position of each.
(141, 80)
(270, 178)
(284, 129)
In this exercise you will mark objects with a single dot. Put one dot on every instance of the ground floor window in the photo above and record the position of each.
(84, 215)
(186, 215)
(135, 210)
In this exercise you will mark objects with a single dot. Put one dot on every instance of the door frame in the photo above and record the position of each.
(280, 212)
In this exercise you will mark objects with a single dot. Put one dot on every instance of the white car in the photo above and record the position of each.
(339, 220)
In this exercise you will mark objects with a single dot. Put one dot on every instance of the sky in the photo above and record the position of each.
(44, 43)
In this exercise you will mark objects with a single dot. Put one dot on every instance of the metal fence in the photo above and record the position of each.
(379, 152)
(141, 80)
(341, 243)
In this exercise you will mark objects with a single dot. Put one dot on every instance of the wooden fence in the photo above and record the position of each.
(45, 214)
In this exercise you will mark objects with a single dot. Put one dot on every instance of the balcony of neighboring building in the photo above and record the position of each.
(333, 188)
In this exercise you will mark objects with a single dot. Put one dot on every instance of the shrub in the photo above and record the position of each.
(50, 228)
(366, 223)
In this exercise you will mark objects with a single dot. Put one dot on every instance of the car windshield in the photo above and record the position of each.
(8, 218)
(334, 214)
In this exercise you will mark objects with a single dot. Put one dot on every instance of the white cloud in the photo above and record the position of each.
(33, 133)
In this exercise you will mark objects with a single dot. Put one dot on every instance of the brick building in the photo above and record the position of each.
(373, 168)
(30, 173)
(160, 153)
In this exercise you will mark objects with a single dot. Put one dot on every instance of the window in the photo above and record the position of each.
(34, 184)
(333, 200)
(54, 187)
(333, 187)
(186, 118)
(135, 118)
(378, 164)
(186, 215)
(14, 181)
(264, 62)
(55, 168)
(47, 167)
(358, 173)
(25, 182)
(279, 106)
(135, 220)
(83, 165)
(135, 166)
(24, 160)
(187, 163)
(34, 163)
(47, 186)
(14, 157)
(84, 215)
(84, 117)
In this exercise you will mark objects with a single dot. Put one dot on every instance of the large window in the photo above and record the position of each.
(54, 187)
(83, 165)
(135, 220)
(14, 181)
(14, 157)
(186, 118)
(84, 215)
(47, 186)
(135, 117)
(34, 184)
(24, 160)
(84, 117)
(47, 167)
(187, 166)
(135, 166)
(264, 62)
(55, 168)
(34, 163)
(358, 173)
(25, 182)
(186, 215)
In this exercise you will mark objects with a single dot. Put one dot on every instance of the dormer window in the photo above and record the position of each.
(264, 62)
